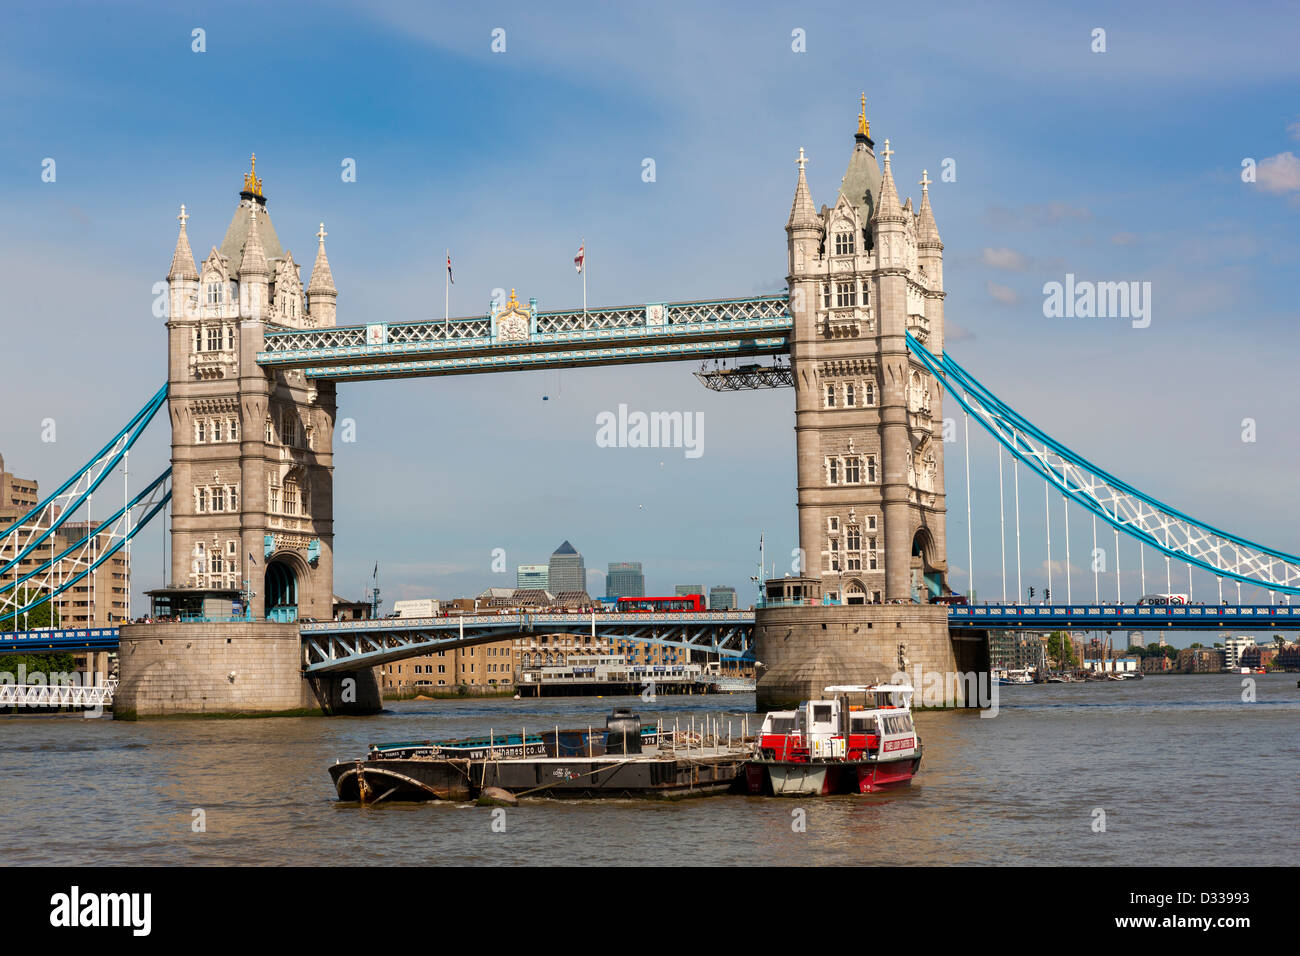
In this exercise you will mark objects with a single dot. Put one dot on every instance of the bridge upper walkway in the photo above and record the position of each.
(654, 332)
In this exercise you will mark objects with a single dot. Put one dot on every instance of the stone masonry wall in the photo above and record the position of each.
(235, 668)
(806, 649)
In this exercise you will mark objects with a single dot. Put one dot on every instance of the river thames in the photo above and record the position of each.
(1181, 770)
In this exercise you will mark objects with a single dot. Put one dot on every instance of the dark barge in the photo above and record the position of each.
(624, 759)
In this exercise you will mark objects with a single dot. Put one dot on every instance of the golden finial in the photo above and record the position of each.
(513, 304)
(864, 128)
(251, 183)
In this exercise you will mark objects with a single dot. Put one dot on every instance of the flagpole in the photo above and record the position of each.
(584, 276)
(446, 291)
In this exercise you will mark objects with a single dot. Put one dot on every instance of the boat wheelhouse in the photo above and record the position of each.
(836, 746)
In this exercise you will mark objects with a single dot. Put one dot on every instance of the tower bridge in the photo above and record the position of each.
(255, 357)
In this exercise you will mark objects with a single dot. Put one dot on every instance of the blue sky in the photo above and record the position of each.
(1123, 165)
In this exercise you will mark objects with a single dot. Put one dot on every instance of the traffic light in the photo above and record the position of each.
(1031, 593)
(1047, 594)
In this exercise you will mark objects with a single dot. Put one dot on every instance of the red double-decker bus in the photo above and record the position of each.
(682, 603)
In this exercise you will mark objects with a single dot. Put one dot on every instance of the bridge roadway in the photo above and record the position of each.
(1123, 617)
(347, 645)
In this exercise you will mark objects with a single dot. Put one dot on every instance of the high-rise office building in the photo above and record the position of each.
(533, 576)
(683, 589)
(625, 579)
(722, 598)
(567, 571)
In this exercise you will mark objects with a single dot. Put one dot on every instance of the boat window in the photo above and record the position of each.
(782, 725)
(897, 723)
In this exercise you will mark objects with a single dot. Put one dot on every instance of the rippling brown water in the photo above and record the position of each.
(1185, 772)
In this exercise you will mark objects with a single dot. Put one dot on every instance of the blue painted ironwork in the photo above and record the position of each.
(348, 645)
(1135, 513)
(1103, 617)
(151, 501)
(42, 521)
(524, 361)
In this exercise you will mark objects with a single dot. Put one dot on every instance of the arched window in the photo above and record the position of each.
(844, 244)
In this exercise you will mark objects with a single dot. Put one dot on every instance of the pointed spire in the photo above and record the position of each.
(889, 206)
(803, 214)
(322, 280)
(183, 259)
(926, 230)
(254, 261)
(861, 182)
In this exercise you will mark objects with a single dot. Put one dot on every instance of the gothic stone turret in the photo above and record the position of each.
(252, 450)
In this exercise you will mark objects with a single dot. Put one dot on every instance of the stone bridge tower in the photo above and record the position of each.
(869, 439)
(252, 450)
(868, 417)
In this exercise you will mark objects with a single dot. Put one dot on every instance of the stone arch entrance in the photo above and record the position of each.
(926, 576)
(855, 593)
(280, 588)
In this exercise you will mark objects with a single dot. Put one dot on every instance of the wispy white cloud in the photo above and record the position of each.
(1002, 293)
(1037, 215)
(1279, 174)
(1004, 258)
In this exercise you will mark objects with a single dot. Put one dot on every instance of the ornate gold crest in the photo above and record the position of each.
(512, 322)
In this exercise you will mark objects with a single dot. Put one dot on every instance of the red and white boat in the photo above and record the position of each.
(832, 746)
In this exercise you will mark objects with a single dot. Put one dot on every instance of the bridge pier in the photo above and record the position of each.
(804, 649)
(228, 669)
